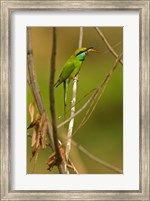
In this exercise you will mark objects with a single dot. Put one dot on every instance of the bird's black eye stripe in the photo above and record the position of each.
(80, 52)
(84, 51)
(89, 48)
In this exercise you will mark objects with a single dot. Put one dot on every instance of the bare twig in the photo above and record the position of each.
(89, 111)
(107, 50)
(32, 76)
(100, 161)
(59, 159)
(73, 167)
(34, 85)
(73, 102)
(77, 102)
(107, 44)
(80, 37)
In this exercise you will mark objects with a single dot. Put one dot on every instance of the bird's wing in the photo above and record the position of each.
(66, 72)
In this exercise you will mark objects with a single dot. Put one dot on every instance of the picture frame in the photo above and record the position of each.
(7, 8)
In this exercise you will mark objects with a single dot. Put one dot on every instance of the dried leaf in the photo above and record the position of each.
(34, 153)
(33, 138)
(38, 137)
(37, 118)
(43, 135)
(39, 134)
(51, 161)
(35, 121)
(69, 166)
(36, 156)
(62, 150)
(43, 117)
(51, 156)
(31, 111)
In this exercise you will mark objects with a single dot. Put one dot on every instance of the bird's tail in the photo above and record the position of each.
(56, 84)
(65, 95)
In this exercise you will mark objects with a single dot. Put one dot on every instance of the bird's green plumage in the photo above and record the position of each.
(71, 69)
(72, 66)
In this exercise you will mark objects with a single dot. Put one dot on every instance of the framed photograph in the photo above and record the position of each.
(75, 100)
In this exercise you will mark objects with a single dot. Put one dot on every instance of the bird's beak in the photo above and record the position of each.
(92, 50)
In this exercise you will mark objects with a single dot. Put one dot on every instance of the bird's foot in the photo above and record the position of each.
(75, 79)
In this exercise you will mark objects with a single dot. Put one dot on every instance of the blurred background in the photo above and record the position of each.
(102, 135)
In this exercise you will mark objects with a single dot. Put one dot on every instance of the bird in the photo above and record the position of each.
(72, 67)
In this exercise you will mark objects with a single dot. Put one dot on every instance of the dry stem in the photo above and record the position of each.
(73, 102)
(34, 84)
(100, 161)
(107, 44)
(59, 159)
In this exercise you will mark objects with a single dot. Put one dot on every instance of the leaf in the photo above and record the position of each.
(39, 133)
(33, 138)
(31, 111)
(34, 154)
(43, 135)
(62, 150)
(43, 117)
(51, 161)
(37, 118)
(38, 137)
(35, 121)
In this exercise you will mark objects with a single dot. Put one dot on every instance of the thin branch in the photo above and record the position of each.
(73, 102)
(106, 51)
(59, 159)
(89, 111)
(32, 75)
(89, 100)
(91, 156)
(80, 37)
(107, 44)
(34, 84)
(73, 167)
(77, 102)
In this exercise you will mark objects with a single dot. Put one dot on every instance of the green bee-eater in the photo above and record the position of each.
(72, 68)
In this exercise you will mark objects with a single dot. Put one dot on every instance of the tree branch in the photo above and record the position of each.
(73, 102)
(34, 85)
(100, 161)
(107, 44)
(59, 159)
